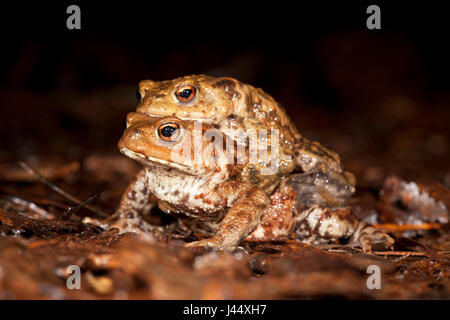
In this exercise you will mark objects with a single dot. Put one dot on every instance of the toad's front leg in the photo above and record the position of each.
(129, 215)
(246, 204)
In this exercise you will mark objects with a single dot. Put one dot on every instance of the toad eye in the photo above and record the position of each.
(169, 131)
(185, 93)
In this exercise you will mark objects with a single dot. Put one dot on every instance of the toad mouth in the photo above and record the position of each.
(151, 160)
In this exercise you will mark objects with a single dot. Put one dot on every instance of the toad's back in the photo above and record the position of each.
(238, 110)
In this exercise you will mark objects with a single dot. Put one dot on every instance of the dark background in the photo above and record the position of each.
(380, 98)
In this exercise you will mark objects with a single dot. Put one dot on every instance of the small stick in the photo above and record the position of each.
(401, 253)
(72, 210)
(403, 258)
(392, 226)
(28, 204)
(59, 190)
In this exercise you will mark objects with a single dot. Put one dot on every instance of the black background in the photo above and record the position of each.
(163, 40)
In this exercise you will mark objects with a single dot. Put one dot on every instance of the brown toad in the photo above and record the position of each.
(192, 170)
(235, 109)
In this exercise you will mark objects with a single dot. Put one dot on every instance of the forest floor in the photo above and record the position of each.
(401, 163)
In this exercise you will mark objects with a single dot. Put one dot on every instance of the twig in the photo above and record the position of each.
(28, 204)
(72, 210)
(403, 257)
(400, 253)
(423, 226)
(59, 190)
(13, 194)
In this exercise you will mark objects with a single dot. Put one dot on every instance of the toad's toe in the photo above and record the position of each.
(367, 236)
(212, 243)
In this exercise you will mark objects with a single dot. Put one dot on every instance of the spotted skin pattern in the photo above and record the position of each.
(210, 197)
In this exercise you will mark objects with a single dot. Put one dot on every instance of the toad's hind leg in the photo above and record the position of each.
(321, 214)
(321, 225)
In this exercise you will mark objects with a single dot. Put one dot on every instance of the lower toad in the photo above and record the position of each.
(190, 171)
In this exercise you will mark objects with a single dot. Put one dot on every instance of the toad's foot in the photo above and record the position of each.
(102, 224)
(367, 236)
(321, 225)
(214, 243)
(130, 222)
(128, 217)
